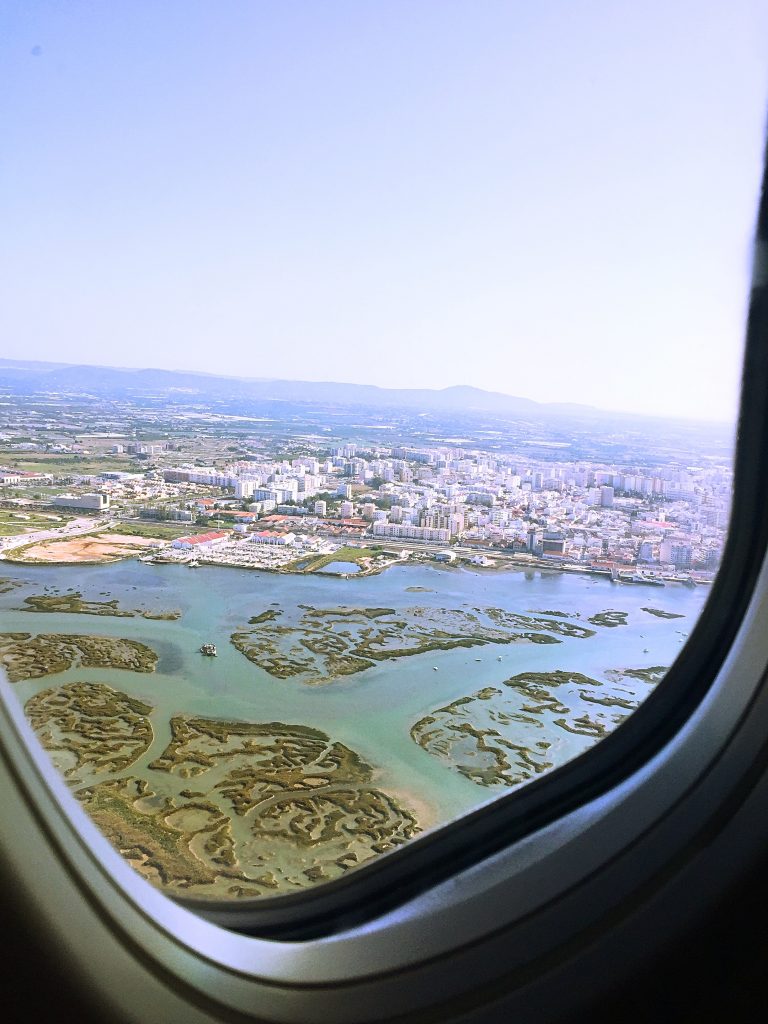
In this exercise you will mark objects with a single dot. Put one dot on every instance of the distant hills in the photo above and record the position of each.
(28, 377)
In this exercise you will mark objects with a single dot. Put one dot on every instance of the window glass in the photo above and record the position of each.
(367, 403)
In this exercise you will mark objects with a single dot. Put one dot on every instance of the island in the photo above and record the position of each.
(660, 613)
(320, 645)
(90, 728)
(29, 656)
(610, 618)
(494, 735)
(74, 603)
(7, 584)
(652, 675)
(274, 807)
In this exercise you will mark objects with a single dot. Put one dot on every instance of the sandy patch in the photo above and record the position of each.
(102, 547)
(426, 814)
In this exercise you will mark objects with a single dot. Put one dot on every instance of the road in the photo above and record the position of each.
(74, 528)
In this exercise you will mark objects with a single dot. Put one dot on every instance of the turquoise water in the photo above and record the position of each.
(373, 711)
(338, 568)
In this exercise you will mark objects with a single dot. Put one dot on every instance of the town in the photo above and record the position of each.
(190, 485)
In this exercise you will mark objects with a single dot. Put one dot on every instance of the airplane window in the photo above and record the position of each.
(367, 406)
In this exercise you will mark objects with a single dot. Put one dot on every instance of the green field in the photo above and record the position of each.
(73, 464)
(14, 523)
(164, 531)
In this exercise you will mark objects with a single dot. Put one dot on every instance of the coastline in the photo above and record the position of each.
(460, 564)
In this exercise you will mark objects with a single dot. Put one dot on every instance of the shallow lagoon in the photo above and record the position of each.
(374, 711)
(340, 568)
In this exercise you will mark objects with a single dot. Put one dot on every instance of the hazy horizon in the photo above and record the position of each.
(538, 201)
(359, 383)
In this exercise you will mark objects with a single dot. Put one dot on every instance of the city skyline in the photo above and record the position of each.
(560, 208)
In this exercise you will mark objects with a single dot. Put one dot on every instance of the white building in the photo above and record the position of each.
(411, 532)
(92, 502)
(270, 537)
(245, 488)
(286, 492)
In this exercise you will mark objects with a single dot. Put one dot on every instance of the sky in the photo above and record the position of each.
(552, 199)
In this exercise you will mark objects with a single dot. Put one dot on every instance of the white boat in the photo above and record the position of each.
(193, 564)
(209, 650)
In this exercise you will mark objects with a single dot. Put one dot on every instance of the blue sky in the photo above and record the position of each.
(552, 199)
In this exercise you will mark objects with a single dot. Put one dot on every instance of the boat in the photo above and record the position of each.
(209, 650)
(193, 564)
(434, 668)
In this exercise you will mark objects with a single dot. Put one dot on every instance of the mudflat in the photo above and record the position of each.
(272, 807)
(29, 656)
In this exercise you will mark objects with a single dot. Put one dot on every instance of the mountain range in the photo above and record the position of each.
(29, 377)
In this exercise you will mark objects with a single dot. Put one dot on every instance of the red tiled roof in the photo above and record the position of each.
(201, 538)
